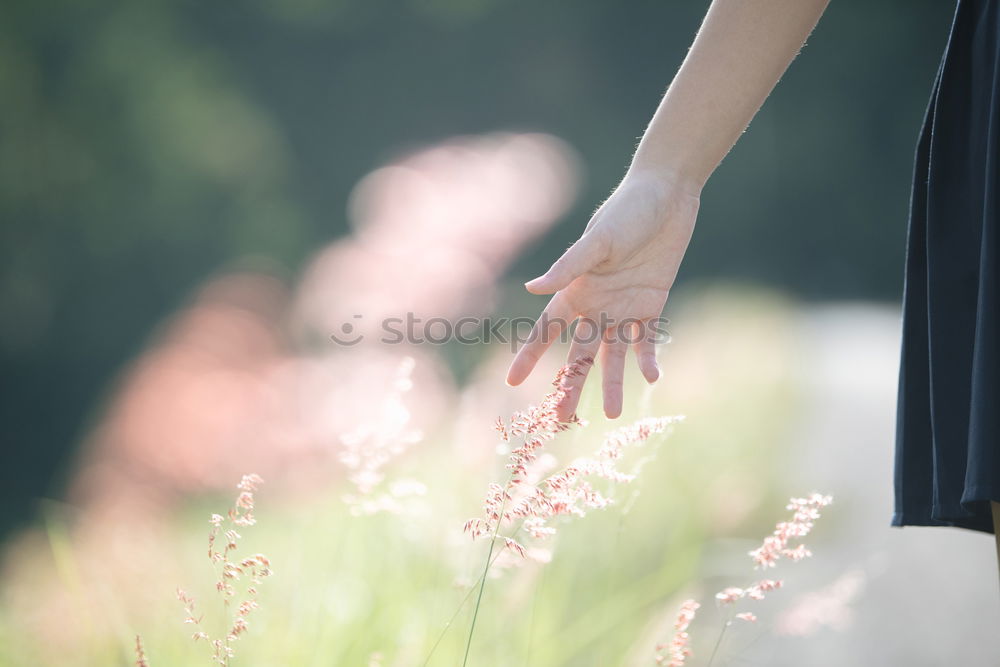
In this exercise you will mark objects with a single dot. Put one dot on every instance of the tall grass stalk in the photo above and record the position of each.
(722, 634)
(461, 605)
(482, 582)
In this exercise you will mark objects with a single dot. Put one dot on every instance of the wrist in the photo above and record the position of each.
(677, 180)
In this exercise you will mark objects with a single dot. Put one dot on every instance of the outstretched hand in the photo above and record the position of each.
(615, 279)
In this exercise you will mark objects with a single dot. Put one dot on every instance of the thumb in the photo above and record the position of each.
(582, 256)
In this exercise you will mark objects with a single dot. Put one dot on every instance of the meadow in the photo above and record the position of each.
(372, 573)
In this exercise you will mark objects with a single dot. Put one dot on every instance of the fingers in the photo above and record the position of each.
(589, 251)
(586, 342)
(549, 326)
(644, 346)
(613, 373)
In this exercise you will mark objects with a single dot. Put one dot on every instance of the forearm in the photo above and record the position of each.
(740, 52)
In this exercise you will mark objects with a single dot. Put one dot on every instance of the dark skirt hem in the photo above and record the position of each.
(978, 524)
(973, 513)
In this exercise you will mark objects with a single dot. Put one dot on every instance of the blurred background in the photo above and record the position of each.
(194, 196)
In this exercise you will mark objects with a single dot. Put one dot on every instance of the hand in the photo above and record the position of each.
(615, 279)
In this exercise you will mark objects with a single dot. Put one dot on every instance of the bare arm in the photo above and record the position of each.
(742, 49)
(617, 276)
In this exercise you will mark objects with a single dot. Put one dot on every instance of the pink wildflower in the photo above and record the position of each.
(806, 510)
(756, 591)
(140, 653)
(373, 445)
(534, 500)
(616, 441)
(729, 595)
(513, 545)
(678, 650)
(251, 569)
(250, 483)
(796, 554)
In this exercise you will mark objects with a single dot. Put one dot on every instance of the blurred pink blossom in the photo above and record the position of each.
(828, 607)
(223, 386)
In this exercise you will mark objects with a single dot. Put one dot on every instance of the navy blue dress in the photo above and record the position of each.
(947, 466)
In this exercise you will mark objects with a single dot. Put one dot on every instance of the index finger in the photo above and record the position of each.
(549, 326)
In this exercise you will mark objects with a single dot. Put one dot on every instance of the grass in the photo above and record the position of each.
(347, 587)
